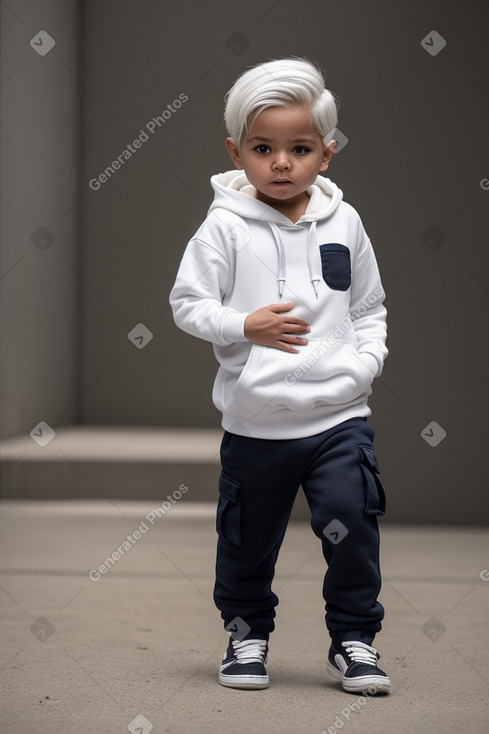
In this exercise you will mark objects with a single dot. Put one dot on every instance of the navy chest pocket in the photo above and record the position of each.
(336, 266)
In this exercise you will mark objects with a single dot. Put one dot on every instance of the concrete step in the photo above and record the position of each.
(82, 462)
(115, 463)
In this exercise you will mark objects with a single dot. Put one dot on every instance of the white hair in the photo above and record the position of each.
(280, 82)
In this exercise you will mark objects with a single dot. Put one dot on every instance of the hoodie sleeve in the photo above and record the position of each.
(368, 314)
(196, 298)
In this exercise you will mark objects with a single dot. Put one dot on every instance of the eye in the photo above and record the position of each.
(262, 148)
(301, 149)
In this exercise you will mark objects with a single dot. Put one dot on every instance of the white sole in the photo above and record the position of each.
(360, 685)
(245, 682)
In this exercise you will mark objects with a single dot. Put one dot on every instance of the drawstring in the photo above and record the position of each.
(281, 277)
(312, 259)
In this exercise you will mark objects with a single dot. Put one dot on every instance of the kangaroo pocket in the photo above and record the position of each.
(320, 374)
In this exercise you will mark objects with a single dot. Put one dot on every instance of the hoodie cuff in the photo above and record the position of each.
(370, 363)
(233, 327)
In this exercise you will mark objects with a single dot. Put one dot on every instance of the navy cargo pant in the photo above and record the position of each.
(258, 484)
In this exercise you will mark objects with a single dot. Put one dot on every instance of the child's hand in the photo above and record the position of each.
(265, 326)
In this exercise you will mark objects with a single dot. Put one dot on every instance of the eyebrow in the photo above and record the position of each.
(269, 140)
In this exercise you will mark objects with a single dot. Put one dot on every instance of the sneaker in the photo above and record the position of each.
(355, 665)
(243, 664)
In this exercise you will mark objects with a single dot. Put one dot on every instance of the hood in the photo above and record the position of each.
(234, 192)
(229, 188)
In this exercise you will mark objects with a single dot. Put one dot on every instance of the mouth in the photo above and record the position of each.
(281, 181)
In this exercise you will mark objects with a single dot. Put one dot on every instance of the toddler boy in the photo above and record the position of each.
(282, 279)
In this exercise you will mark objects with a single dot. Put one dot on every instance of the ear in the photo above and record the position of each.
(329, 151)
(233, 151)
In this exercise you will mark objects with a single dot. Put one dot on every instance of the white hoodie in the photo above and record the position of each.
(247, 255)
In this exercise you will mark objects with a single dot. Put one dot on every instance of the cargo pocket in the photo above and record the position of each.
(336, 266)
(374, 491)
(228, 517)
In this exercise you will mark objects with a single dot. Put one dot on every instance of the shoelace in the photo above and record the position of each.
(250, 651)
(359, 652)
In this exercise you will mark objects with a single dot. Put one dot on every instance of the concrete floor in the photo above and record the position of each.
(138, 650)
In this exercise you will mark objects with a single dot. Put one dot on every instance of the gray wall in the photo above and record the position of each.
(40, 219)
(415, 167)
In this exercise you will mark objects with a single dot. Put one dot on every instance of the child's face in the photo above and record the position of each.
(282, 154)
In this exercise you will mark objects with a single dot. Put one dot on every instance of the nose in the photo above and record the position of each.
(281, 161)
